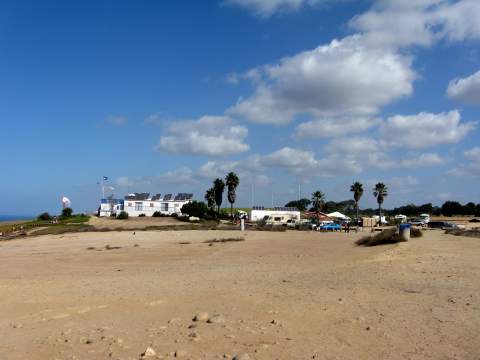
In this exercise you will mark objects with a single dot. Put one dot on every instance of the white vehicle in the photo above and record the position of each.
(401, 218)
(277, 219)
(425, 218)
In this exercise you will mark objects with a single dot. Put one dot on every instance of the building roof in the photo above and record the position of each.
(137, 196)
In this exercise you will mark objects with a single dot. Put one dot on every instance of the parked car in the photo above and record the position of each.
(330, 227)
(444, 225)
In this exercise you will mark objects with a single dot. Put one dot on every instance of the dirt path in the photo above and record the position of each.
(293, 295)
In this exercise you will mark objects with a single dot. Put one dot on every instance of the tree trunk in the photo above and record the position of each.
(231, 211)
(356, 205)
(380, 214)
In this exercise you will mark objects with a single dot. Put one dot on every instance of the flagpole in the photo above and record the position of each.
(103, 189)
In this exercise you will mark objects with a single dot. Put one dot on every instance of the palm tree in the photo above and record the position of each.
(380, 191)
(232, 181)
(318, 199)
(357, 189)
(210, 197)
(218, 187)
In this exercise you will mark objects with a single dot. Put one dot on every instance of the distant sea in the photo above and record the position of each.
(15, 217)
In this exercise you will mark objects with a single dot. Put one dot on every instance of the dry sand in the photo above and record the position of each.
(293, 295)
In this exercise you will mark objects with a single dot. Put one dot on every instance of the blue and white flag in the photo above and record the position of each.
(105, 178)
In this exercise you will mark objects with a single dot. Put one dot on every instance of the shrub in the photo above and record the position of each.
(262, 227)
(67, 212)
(141, 215)
(44, 216)
(122, 215)
(157, 214)
(386, 237)
(195, 208)
(415, 233)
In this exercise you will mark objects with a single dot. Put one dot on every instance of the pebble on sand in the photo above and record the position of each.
(180, 353)
(217, 319)
(149, 352)
(203, 316)
(242, 356)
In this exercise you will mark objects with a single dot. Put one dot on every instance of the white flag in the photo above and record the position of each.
(66, 202)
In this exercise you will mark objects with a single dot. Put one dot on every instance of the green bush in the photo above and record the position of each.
(67, 212)
(195, 208)
(44, 216)
(123, 215)
(141, 215)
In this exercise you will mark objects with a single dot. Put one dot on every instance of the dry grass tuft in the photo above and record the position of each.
(474, 233)
(225, 240)
(386, 237)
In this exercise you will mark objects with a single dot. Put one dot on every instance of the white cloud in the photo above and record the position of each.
(304, 163)
(116, 120)
(423, 160)
(342, 78)
(334, 127)
(473, 154)
(401, 23)
(424, 130)
(267, 8)
(210, 135)
(466, 89)
(472, 167)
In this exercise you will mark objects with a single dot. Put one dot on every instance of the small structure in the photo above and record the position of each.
(401, 218)
(283, 214)
(339, 216)
(110, 207)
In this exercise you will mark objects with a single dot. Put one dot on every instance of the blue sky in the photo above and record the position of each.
(166, 96)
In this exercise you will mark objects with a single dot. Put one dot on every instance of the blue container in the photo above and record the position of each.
(405, 226)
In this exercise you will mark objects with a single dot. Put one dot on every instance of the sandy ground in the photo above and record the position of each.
(134, 222)
(293, 295)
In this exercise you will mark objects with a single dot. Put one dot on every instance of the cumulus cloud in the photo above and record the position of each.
(424, 130)
(400, 23)
(267, 8)
(370, 153)
(342, 78)
(334, 127)
(303, 162)
(209, 135)
(466, 89)
(471, 167)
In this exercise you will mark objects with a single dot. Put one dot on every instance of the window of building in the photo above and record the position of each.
(164, 207)
(138, 206)
(129, 204)
(152, 204)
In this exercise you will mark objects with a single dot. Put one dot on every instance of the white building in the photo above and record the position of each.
(259, 213)
(142, 204)
(110, 207)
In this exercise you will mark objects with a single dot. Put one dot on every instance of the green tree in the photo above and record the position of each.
(357, 189)
(210, 197)
(301, 204)
(219, 187)
(318, 199)
(67, 212)
(232, 181)
(380, 191)
(195, 208)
